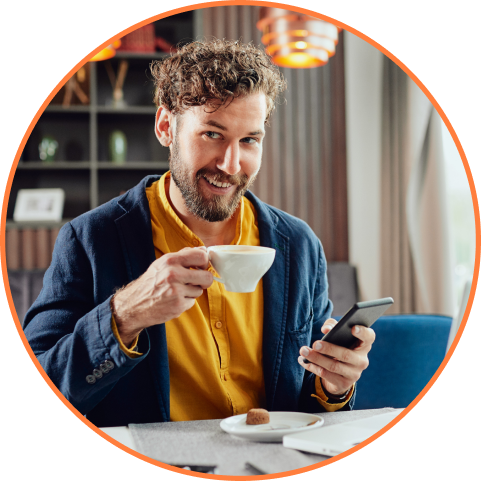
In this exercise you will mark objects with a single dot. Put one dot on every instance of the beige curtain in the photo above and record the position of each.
(416, 253)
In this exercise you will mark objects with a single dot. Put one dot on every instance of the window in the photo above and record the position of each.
(460, 215)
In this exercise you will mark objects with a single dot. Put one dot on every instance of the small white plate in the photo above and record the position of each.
(281, 423)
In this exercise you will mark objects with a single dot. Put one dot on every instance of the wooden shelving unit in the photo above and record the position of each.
(82, 166)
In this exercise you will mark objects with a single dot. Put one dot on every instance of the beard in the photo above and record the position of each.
(215, 208)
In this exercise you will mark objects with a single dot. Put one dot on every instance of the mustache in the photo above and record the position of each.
(239, 180)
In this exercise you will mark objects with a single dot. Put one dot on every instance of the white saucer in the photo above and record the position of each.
(281, 423)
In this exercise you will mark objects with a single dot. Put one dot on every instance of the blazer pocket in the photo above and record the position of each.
(305, 329)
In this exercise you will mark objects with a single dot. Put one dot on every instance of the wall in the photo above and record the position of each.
(363, 65)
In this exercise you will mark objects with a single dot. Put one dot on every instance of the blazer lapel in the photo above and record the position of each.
(276, 292)
(135, 232)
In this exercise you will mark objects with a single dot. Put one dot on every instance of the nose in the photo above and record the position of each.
(230, 162)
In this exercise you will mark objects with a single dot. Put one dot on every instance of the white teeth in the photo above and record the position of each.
(218, 184)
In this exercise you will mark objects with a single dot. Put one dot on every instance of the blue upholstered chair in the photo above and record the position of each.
(407, 352)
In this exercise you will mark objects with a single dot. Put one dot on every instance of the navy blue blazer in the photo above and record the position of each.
(69, 325)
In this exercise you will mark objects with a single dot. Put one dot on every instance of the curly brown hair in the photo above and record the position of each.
(214, 73)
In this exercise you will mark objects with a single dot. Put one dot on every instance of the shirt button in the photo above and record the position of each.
(218, 324)
(91, 379)
(195, 242)
(97, 373)
(225, 376)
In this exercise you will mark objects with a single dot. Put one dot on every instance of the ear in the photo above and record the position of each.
(164, 126)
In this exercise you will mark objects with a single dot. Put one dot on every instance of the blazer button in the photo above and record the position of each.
(104, 368)
(97, 373)
(91, 379)
(109, 364)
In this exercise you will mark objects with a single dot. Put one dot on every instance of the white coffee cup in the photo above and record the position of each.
(240, 267)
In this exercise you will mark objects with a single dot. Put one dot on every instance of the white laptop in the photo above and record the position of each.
(335, 439)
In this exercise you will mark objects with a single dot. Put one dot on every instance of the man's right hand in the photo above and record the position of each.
(168, 288)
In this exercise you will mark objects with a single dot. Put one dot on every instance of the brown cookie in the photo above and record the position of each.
(257, 416)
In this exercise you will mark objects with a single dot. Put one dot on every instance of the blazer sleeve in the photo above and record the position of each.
(70, 333)
(322, 310)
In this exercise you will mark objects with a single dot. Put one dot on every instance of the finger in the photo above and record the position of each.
(328, 325)
(341, 382)
(194, 277)
(190, 257)
(188, 304)
(173, 273)
(192, 292)
(343, 354)
(366, 335)
(333, 365)
(204, 248)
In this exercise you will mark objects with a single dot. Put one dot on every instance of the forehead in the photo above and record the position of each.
(250, 108)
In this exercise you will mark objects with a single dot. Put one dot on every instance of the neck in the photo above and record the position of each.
(211, 233)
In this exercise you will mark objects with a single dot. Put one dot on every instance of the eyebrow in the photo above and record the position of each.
(213, 123)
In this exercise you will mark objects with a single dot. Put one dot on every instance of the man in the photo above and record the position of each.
(129, 324)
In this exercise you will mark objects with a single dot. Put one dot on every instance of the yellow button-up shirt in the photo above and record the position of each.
(214, 348)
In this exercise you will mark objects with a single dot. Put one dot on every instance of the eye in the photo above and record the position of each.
(249, 140)
(213, 135)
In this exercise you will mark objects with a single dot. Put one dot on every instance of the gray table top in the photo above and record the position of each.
(205, 443)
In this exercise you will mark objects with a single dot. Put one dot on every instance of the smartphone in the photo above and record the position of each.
(361, 314)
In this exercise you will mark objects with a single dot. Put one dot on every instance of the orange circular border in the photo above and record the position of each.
(437, 437)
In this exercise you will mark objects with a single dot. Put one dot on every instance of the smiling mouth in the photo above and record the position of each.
(220, 185)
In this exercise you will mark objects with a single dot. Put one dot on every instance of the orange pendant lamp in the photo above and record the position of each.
(295, 40)
(107, 52)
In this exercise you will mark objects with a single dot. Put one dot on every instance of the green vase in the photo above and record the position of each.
(47, 149)
(118, 147)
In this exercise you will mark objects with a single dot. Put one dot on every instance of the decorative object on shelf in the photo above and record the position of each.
(12, 249)
(76, 91)
(39, 205)
(27, 248)
(47, 149)
(118, 147)
(73, 87)
(107, 52)
(43, 254)
(140, 40)
(295, 40)
(117, 82)
(143, 40)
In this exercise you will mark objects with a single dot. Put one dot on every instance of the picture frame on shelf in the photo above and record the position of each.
(39, 205)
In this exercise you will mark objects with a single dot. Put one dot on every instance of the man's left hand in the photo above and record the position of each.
(339, 368)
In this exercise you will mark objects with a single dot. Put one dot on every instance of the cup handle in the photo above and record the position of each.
(218, 279)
